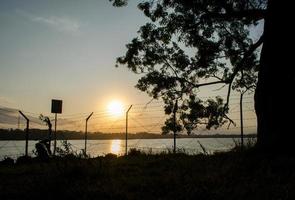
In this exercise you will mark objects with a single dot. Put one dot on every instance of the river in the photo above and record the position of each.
(12, 148)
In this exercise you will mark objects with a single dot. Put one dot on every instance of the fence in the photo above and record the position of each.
(143, 117)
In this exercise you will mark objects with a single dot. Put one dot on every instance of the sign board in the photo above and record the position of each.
(56, 106)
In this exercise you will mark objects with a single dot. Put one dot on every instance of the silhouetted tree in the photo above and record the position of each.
(47, 121)
(194, 43)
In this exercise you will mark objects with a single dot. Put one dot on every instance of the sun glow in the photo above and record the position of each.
(116, 146)
(116, 108)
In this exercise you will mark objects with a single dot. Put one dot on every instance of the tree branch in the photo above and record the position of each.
(228, 95)
(230, 121)
(238, 40)
(170, 66)
(217, 77)
(209, 83)
(203, 84)
(220, 88)
(193, 84)
(246, 55)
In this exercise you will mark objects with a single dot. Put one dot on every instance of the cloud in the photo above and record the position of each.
(8, 115)
(5, 101)
(60, 23)
(9, 118)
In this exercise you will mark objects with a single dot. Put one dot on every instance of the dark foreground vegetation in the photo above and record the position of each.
(232, 175)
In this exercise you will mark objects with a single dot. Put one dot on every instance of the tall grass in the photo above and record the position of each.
(249, 143)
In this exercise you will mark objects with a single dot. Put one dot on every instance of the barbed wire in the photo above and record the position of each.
(144, 117)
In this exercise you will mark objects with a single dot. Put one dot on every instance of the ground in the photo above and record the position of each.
(232, 175)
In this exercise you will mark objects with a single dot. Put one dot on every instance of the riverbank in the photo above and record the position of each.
(38, 134)
(232, 175)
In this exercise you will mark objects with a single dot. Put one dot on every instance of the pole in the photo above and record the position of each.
(174, 120)
(85, 148)
(55, 121)
(126, 136)
(27, 137)
(27, 132)
(241, 121)
(18, 122)
(50, 133)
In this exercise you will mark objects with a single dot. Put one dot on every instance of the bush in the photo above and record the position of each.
(135, 152)
(43, 150)
(249, 143)
(24, 160)
(7, 161)
(66, 150)
(110, 156)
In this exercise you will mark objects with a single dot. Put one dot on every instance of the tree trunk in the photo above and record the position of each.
(275, 89)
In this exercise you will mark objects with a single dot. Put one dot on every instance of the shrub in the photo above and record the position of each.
(135, 152)
(66, 150)
(249, 143)
(24, 160)
(110, 156)
(7, 161)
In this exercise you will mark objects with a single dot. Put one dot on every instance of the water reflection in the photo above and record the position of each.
(102, 147)
(115, 146)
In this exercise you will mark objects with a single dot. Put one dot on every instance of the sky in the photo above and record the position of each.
(67, 50)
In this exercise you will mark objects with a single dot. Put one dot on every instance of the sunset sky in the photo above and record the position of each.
(67, 50)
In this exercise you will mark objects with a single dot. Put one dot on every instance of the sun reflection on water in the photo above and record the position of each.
(115, 146)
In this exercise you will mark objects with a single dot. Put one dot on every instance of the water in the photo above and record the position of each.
(101, 147)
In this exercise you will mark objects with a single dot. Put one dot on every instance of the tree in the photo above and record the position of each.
(47, 121)
(192, 44)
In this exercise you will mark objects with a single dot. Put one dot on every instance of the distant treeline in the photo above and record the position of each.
(39, 134)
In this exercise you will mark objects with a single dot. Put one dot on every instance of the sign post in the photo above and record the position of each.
(56, 107)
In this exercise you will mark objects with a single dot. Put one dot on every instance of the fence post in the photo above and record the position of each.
(85, 148)
(241, 121)
(126, 135)
(27, 132)
(175, 125)
(55, 121)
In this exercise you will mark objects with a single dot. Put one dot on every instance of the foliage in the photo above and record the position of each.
(119, 3)
(203, 148)
(24, 160)
(66, 150)
(46, 120)
(42, 151)
(135, 152)
(222, 176)
(7, 161)
(249, 144)
(191, 44)
(111, 156)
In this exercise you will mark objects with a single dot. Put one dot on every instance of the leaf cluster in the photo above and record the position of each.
(190, 44)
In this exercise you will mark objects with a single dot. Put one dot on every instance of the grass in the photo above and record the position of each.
(232, 175)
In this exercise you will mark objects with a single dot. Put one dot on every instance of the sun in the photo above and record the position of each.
(116, 108)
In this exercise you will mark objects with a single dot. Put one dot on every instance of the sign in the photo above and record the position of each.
(56, 106)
